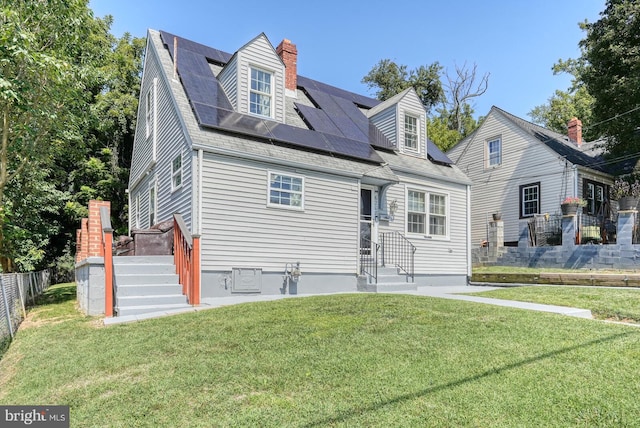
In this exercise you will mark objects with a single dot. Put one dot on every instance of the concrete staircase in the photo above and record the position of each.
(146, 284)
(389, 279)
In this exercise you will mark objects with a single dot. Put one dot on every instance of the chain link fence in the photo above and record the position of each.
(17, 291)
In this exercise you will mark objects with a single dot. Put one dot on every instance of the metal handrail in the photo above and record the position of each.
(369, 262)
(399, 251)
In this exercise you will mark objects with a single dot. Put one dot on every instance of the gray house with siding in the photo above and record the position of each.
(281, 174)
(523, 170)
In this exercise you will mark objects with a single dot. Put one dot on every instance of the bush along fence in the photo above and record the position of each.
(17, 291)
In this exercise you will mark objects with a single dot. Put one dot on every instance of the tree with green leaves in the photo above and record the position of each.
(389, 79)
(454, 119)
(45, 53)
(609, 67)
(69, 94)
(605, 88)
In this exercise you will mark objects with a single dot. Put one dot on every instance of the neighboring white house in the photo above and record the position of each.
(521, 169)
(275, 170)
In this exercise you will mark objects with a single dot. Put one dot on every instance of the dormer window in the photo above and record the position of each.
(411, 133)
(260, 96)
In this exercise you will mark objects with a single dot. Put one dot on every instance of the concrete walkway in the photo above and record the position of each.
(444, 292)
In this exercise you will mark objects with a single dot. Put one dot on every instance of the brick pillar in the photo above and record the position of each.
(568, 232)
(78, 245)
(82, 244)
(626, 222)
(94, 248)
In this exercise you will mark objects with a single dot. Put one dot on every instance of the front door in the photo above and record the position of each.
(366, 220)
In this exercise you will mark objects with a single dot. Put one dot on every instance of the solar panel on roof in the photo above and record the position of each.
(204, 90)
(317, 119)
(355, 149)
(213, 109)
(436, 155)
(211, 53)
(362, 100)
(354, 113)
(218, 118)
(378, 139)
(193, 63)
(298, 136)
(338, 116)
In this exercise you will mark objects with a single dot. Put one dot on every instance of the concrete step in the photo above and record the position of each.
(392, 279)
(395, 286)
(144, 268)
(145, 309)
(145, 278)
(148, 289)
(388, 270)
(155, 300)
(123, 260)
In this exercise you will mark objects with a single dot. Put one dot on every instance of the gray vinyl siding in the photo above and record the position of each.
(260, 54)
(525, 160)
(170, 141)
(240, 230)
(142, 156)
(410, 105)
(434, 255)
(228, 78)
(387, 123)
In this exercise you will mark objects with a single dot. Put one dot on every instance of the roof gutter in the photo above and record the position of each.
(429, 175)
(282, 162)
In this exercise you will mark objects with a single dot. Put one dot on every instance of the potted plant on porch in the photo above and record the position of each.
(571, 204)
(627, 193)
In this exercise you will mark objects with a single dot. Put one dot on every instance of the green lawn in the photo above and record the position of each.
(338, 360)
(619, 304)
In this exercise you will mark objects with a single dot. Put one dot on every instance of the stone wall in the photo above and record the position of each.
(622, 255)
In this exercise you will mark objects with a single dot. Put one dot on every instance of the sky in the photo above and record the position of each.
(339, 42)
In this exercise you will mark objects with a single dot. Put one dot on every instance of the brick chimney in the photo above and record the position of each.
(575, 131)
(288, 52)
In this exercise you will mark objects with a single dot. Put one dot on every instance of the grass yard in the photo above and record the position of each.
(338, 360)
(618, 304)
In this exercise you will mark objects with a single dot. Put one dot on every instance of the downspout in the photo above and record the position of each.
(575, 180)
(469, 267)
(199, 203)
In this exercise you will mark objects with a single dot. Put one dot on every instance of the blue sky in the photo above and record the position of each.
(338, 42)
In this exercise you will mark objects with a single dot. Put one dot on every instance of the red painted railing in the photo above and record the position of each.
(186, 254)
(106, 251)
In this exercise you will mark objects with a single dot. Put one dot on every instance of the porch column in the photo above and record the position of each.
(626, 225)
(496, 237)
(568, 232)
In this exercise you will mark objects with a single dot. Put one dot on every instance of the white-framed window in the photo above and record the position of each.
(285, 191)
(153, 204)
(148, 111)
(261, 92)
(494, 152)
(411, 135)
(427, 213)
(176, 172)
(529, 200)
